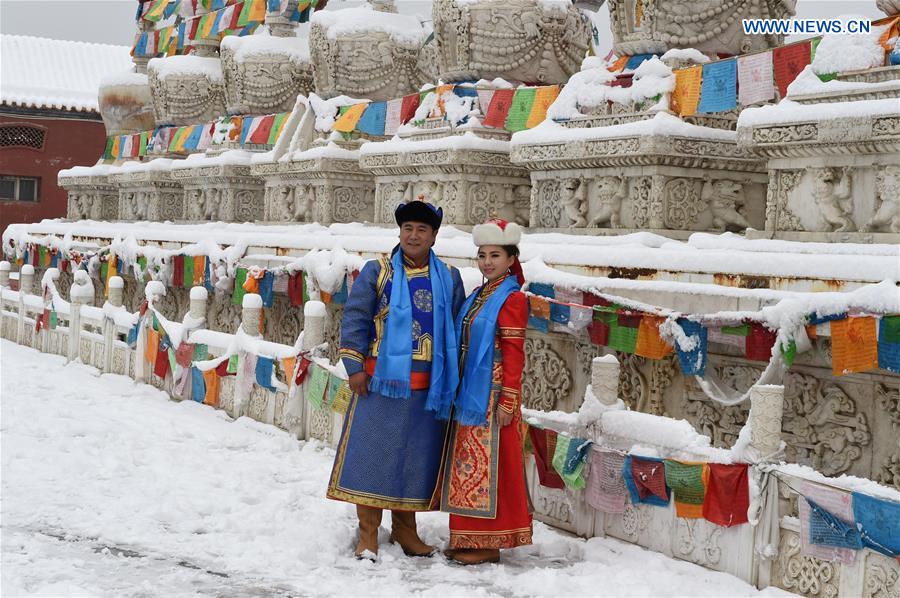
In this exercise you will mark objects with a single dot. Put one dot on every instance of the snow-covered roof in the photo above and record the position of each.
(51, 73)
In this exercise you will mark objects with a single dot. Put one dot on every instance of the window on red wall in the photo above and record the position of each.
(19, 188)
(22, 135)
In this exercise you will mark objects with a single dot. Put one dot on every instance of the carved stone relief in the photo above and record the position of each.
(547, 379)
(264, 83)
(887, 400)
(882, 577)
(803, 574)
(887, 211)
(186, 98)
(222, 314)
(284, 321)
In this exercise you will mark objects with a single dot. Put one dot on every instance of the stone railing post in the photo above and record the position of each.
(199, 297)
(26, 281)
(81, 293)
(313, 325)
(251, 314)
(115, 298)
(766, 411)
(153, 290)
(4, 274)
(605, 379)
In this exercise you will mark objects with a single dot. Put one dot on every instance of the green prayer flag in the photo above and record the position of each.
(890, 329)
(686, 482)
(155, 323)
(237, 296)
(334, 383)
(622, 338)
(305, 287)
(188, 281)
(602, 315)
(104, 270)
(232, 364)
(827, 77)
(107, 153)
(813, 46)
(201, 353)
(574, 478)
(318, 384)
(244, 17)
(54, 320)
(790, 353)
(276, 127)
(172, 363)
(43, 256)
(740, 330)
(145, 137)
(142, 262)
(520, 109)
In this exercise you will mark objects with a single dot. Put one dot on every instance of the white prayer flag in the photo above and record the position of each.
(205, 137)
(484, 99)
(392, 116)
(755, 79)
(225, 19)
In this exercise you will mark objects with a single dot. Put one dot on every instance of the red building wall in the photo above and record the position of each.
(68, 141)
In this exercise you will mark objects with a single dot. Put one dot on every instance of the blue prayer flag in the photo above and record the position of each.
(217, 5)
(198, 385)
(718, 91)
(815, 319)
(273, 5)
(539, 288)
(693, 362)
(54, 260)
(888, 347)
(636, 60)
(540, 324)
(878, 522)
(140, 48)
(193, 138)
(245, 129)
(560, 313)
(264, 368)
(266, 290)
(207, 276)
(828, 530)
(465, 91)
(340, 297)
(372, 120)
(133, 334)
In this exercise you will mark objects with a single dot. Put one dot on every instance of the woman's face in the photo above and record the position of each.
(493, 261)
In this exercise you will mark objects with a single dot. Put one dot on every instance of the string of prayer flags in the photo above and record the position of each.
(727, 494)
(240, 277)
(889, 343)
(334, 383)
(788, 62)
(879, 523)
(520, 109)
(606, 489)
(318, 384)
(820, 508)
(543, 97)
(636, 60)
(649, 343)
(222, 368)
(392, 120)
(288, 365)
(688, 483)
(755, 82)
(718, 91)
(760, 342)
(265, 368)
(543, 444)
(693, 362)
(539, 313)
(645, 478)
(854, 346)
(569, 458)
(560, 311)
(346, 122)
(297, 289)
(686, 96)
(498, 109)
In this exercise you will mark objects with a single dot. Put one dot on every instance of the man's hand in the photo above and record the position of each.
(359, 383)
(504, 418)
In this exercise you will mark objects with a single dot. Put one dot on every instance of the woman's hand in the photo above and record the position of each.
(504, 418)
(359, 383)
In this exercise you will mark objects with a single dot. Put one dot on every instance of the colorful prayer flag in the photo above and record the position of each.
(854, 346)
(645, 478)
(789, 61)
(816, 539)
(211, 383)
(889, 343)
(605, 486)
(686, 95)
(392, 120)
(372, 121)
(688, 483)
(277, 126)
(727, 494)
(198, 386)
(879, 523)
(718, 90)
(265, 367)
(569, 458)
(543, 97)
(260, 134)
(755, 82)
(693, 362)
(318, 384)
(649, 342)
(237, 295)
(543, 444)
(408, 107)
(498, 109)
(520, 109)
(760, 342)
(346, 122)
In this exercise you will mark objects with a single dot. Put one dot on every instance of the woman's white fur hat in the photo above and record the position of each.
(496, 232)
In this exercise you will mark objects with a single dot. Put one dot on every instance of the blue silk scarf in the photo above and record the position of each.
(394, 365)
(471, 403)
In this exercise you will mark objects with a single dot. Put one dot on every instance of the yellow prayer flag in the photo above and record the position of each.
(439, 108)
(854, 345)
(288, 364)
(649, 343)
(686, 96)
(257, 10)
(543, 97)
(347, 121)
(206, 25)
(110, 272)
(116, 147)
(619, 64)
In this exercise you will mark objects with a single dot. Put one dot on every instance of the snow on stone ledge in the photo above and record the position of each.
(186, 65)
(788, 111)
(231, 158)
(662, 124)
(692, 54)
(845, 52)
(124, 79)
(467, 140)
(403, 29)
(295, 48)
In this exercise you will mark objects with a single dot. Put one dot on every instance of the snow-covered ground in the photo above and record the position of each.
(111, 489)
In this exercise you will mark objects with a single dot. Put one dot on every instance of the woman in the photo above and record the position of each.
(484, 487)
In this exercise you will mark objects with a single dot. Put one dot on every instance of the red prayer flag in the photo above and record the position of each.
(295, 288)
(261, 134)
(649, 478)
(629, 320)
(599, 332)
(161, 366)
(788, 62)
(590, 300)
(177, 270)
(222, 369)
(64, 266)
(408, 107)
(499, 108)
(760, 342)
(195, 22)
(302, 371)
(727, 494)
(184, 354)
(541, 441)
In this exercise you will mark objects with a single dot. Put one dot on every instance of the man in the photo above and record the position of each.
(398, 345)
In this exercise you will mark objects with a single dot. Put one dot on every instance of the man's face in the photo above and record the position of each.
(416, 239)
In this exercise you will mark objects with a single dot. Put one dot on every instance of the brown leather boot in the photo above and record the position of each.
(369, 520)
(476, 556)
(403, 532)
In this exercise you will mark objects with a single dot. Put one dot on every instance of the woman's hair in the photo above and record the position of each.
(511, 250)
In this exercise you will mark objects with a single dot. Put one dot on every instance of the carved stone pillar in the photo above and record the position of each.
(4, 273)
(187, 89)
(199, 297)
(766, 411)
(81, 293)
(26, 279)
(251, 314)
(116, 291)
(605, 379)
(222, 192)
(313, 324)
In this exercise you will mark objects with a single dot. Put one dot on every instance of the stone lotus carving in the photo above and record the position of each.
(264, 80)
(652, 27)
(831, 197)
(518, 40)
(187, 91)
(887, 212)
(370, 64)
